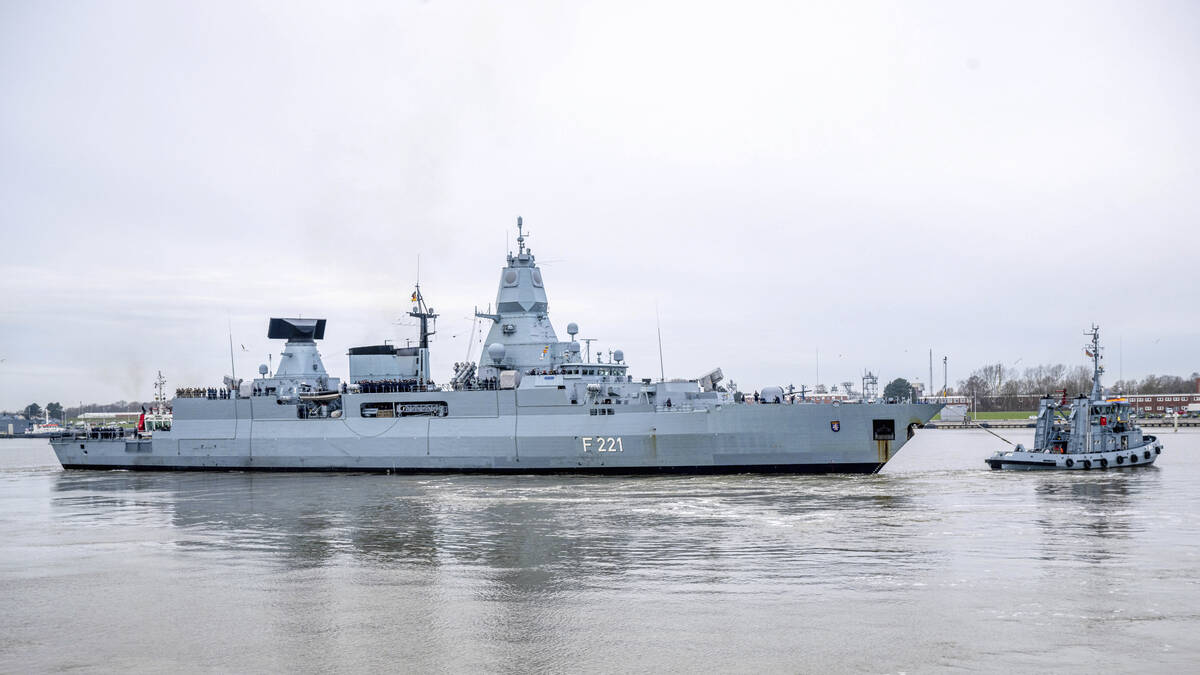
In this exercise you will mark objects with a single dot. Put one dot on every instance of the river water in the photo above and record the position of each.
(935, 564)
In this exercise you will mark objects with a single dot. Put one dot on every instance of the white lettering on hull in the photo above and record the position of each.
(603, 444)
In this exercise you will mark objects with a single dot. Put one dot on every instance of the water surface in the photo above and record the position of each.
(935, 564)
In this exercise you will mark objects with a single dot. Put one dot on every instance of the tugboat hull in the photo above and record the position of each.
(1036, 460)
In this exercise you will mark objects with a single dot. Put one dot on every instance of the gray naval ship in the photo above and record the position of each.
(531, 404)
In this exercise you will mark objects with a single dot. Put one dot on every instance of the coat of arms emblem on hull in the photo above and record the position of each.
(835, 425)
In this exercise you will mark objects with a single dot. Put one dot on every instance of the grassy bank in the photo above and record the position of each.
(1004, 415)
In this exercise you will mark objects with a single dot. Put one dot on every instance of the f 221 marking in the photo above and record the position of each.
(602, 444)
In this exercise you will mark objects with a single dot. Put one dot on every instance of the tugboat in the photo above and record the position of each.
(1091, 433)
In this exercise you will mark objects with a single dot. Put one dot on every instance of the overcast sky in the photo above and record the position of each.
(870, 180)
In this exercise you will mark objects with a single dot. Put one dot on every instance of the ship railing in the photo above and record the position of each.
(384, 386)
(99, 433)
(211, 393)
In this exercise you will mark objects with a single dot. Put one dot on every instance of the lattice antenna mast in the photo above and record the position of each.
(1093, 350)
(160, 397)
(425, 315)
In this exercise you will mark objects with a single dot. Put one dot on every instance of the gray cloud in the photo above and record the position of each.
(865, 179)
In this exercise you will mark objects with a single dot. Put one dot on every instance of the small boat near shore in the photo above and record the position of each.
(45, 429)
(1091, 432)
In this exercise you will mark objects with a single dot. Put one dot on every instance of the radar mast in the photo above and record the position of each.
(1093, 350)
(160, 397)
(425, 315)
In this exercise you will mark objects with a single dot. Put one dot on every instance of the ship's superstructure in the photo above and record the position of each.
(531, 403)
(1091, 432)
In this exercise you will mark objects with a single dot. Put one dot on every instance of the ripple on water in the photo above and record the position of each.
(936, 561)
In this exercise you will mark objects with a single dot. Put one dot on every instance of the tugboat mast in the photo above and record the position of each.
(1094, 352)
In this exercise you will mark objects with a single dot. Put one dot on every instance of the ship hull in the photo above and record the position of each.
(832, 468)
(514, 432)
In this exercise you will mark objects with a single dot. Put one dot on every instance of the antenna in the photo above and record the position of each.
(1094, 352)
(423, 314)
(1121, 362)
(471, 338)
(662, 377)
(160, 397)
(232, 367)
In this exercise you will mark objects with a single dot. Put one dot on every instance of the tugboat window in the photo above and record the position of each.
(884, 430)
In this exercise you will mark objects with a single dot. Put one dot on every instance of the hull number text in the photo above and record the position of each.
(602, 444)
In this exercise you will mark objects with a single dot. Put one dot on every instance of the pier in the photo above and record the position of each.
(1029, 424)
